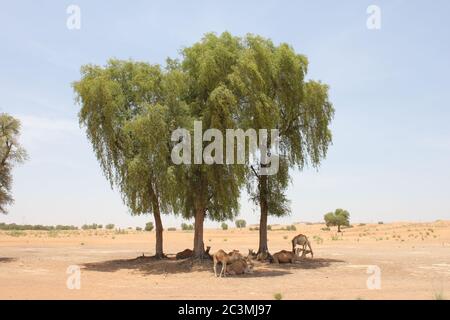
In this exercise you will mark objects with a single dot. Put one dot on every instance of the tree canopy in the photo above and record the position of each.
(11, 153)
(339, 217)
(130, 109)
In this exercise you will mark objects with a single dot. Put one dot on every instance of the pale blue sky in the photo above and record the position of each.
(390, 88)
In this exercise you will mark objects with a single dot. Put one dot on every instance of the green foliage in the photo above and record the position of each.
(109, 226)
(16, 233)
(224, 226)
(318, 239)
(278, 296)
(241, 223)
(269, 227)
(11, 153)
(172, 229)
(93, 226)
(138, 229)
(149, 226)
(338, 218)
(187, 227)
(13, 226)
(129, 110)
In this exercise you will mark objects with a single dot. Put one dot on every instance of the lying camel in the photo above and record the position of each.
(284, 256)
(240, 266)
(302, 241)
(225, 258)
(188, 253)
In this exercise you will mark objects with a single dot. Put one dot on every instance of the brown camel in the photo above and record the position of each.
(240, 266)
(284, 256)
(188, 253)
(224, 258)
(302, 241)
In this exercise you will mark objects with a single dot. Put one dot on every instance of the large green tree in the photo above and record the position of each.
(275, 95)
(210, 190)
(257, 85)
(339, 217)
(128, 115)
(11, 153)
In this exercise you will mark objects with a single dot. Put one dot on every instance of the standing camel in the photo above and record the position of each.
(302, 241)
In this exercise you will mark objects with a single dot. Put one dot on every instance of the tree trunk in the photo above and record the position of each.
(159, 252)
(199, 246)
(339, 228)
(263, 248)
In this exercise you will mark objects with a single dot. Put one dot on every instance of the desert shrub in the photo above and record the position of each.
(269, 227)
(38, 227)
(186, 227)
(361, 224)
(172, 229)
(241, 223)
(149, 226)
(110, 226)
(326, 229)
(291, 228)
(318, 239)
(52, 233)
(439, 296)
(138, 229)
(380, 222)
(278, 296)
(16, 233)
(224, 226)
(335, 237)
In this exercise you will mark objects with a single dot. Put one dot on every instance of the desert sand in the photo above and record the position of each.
(413, 260)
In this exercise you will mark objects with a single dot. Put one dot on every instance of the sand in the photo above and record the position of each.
(413, 261)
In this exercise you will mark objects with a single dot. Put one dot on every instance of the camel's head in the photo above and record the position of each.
(249, 265)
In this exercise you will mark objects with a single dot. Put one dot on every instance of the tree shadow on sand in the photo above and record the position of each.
(150, 265)
(6, 260)
(154, 266)
(308, 264)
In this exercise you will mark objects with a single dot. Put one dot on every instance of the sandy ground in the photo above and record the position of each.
(413, 260)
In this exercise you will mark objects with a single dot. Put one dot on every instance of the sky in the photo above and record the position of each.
(390, 88)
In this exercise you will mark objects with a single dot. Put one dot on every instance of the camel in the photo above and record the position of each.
(225, 258)
(284, 256)
(251, 254)
(303, 241)
(240, 266)
(188, 253)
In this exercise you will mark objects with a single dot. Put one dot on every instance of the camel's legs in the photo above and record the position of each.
(215, 269)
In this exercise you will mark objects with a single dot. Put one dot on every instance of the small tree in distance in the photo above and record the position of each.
(339, 217)
(149, 226)
(224, 226)
(241, 223)
(186, 227)
(109, 226)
